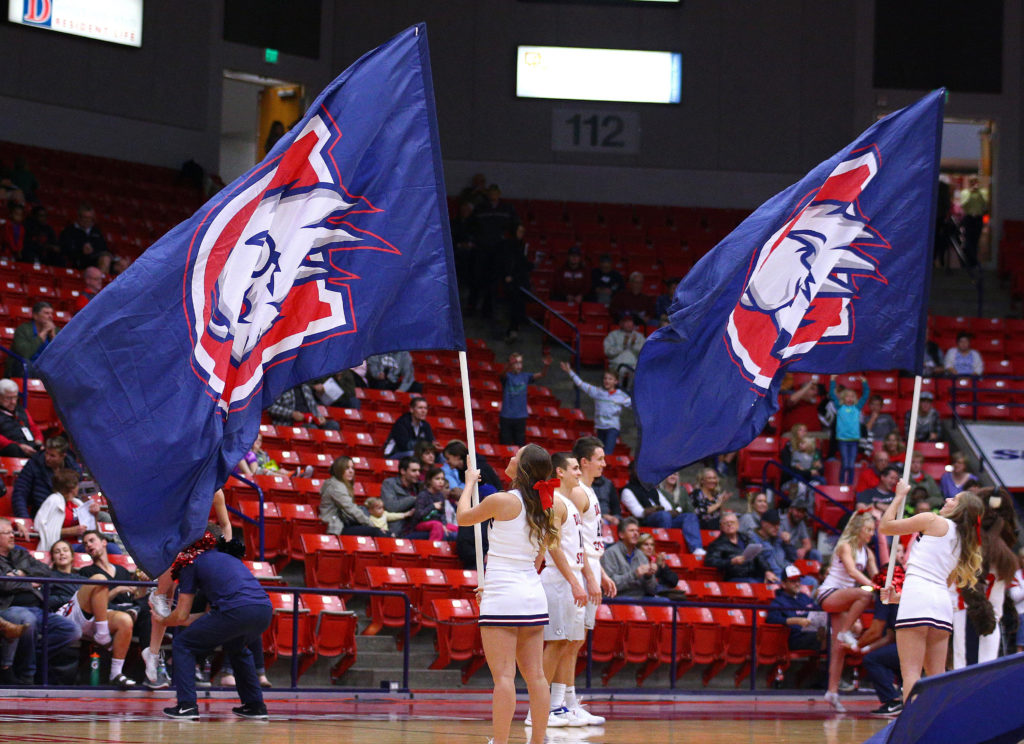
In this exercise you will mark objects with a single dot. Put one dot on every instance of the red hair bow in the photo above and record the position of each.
(546, 490)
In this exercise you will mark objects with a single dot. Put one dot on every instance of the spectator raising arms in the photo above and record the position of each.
(514, 387)
(608, 404)
(848, 409)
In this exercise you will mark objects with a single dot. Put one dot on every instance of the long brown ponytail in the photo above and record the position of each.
(966, 515)
(535, 465)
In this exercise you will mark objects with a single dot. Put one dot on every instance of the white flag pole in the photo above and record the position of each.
(467, 404)
(911, 438)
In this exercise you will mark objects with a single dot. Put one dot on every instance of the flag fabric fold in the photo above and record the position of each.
(831, 275)
(335, 247)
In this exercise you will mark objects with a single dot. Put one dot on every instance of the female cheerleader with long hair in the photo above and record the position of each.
(513, 606)
(846, 593)
(948, 551)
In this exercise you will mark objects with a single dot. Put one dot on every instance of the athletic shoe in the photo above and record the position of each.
(888, 709)
(575, 720)
(159, 605)
(159, 682)
(847, 638)
(832, 698)
(264, 682)
(202, 677)
(700, 553)
(152, 662)
(183, 714)
(557, 718)
(256, 712)
(585, 715)
(123, 682)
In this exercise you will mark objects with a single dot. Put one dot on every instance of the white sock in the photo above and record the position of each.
(570, 697)
(557, 695)
(101, 627)
(116, 665)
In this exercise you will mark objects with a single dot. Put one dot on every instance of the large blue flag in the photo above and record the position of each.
(831, 275)
(334, 248)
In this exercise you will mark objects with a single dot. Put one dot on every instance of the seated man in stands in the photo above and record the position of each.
(875, 422)
(19, 435)
(628, 567)
(622, 347)
(88, 609)
(298, 407)
(82, 242)
(410, 427)
(962, 359)
(882, 494)
(767, 535)
(920, 478)
(605, 281)
(652, 508)
(392, 371)
(794, 533)
(571, 281)
(929, 423)
(870, 476)
(399, 492)
(31, 338)
(93, 279)
(632, 300)
(726, 554)
(35, 481)
(797, 610)
(21, 602)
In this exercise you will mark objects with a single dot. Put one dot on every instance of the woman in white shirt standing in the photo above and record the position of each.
(513, 606)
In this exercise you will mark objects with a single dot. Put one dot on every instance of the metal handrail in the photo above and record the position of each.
(261, 522)
(46, 581)
(782, 467)
(573, 349)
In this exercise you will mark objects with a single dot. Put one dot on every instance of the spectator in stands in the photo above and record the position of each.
(19, 435)
(806, 461)
(382, 519)
(876, 423)
(392, 371)
(608, 499)
(665, 577)
(955, 480)
(21, 603)
(622, 347)
(651, 508)
(929, 423)
(708, 498)
(491, 222)
(32, 337)
(608, 404)
(962, 359)
(515, 273)
(796, 433)
(119, 265)
(848, 408)
(870, 476)
(881, 495)
(757, 505)
(629, 568)
(339, 389)
(666, 298)
(881, 660)
(514, 392)
(673, 491)
(429, 511)
(399, 492)
(605, 281)
(41, 244)
(455, 456)
(258, 462)
(475, 194)
(62, 565)
(634, 301)
(794, 532)
(56, 519)
(93, 279)
(795, 609)
(800, 402)
(35, 481)
(12, 232)
(297, 406)
(571, 282)
(895, 448)
(974, 204)
(462, 241)
(407, 430)
(933, 357)
(338, 508)
(920, 478)
(425, 453)
(726, 553)
(767, 535)
(121, 623)
(82, 243)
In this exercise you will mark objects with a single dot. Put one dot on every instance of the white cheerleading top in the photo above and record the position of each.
(571, 540)
(509, 540)
(593, 541)
(934, 558)
(838, 577)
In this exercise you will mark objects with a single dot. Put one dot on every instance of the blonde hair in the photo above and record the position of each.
(372, 502)
(966, 515)
(853, 528)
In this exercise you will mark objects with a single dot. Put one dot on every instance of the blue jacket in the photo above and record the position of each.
(784, 607)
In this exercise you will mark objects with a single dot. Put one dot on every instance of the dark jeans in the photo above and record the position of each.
(972, 236)
(21, 652)
(233, 629)
(512, 431)
(367, 530)
(13, 450)
(882, 667)
(608, 438)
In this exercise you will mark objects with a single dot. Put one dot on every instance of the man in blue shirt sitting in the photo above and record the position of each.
(793, 608)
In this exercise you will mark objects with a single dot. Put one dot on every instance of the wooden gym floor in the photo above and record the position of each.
(432, 718)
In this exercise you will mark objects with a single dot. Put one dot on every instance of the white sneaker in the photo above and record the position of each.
(847, 638)
(832, 698)
(589, 718)
(700, 553)
(575, 719)
(160, 606)
(152, 662)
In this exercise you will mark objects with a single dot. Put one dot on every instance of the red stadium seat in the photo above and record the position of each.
(361, 552)
(429, 584)
(458, 636)
(300, 519)
(640, 639)
(388, 611)
(324, 562)
(335, 631)
(607, 640)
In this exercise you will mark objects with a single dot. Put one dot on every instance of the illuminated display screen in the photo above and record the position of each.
(116, 21)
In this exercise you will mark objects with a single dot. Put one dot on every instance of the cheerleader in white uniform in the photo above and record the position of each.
(948, 551)
(513, 607)
(843, 594)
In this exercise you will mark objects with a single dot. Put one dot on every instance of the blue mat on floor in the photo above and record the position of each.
(980, 704)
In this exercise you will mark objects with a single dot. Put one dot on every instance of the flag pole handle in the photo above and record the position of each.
(467, 404)
(911, 438)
